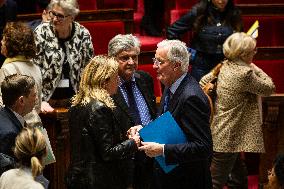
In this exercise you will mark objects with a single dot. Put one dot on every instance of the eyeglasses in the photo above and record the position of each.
(158, 62)
(126, 58)
(60, 17)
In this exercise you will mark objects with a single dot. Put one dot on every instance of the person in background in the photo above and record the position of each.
(8, 12)
(135, 100)
(18, 95)
(64, 48)
(100, 154)
(18, 45)
(276, 174)
(237, 125)
(152, 19)
(211, 22)
(30, 149)
(189, 106)
(45, 17)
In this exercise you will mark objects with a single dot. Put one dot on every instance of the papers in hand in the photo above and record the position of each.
(49, 158)
(253, 31)
(163, 130)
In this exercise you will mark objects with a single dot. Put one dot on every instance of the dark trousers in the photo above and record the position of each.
(228, 168)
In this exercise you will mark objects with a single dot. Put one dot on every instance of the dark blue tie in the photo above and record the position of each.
(167, 100)
(133, 109)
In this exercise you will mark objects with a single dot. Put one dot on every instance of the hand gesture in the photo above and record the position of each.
(133, 130)
(152, 149)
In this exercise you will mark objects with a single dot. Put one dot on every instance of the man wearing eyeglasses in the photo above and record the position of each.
(185, 100)
(135, 101)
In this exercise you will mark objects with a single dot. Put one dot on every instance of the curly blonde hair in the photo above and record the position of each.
(94, 79)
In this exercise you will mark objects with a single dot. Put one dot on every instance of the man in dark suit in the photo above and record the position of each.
(187, 103)
(8, 12)
(135, 100)
(18, 96)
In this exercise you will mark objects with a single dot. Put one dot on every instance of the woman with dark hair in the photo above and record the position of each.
(211, 22)
(30, 149)
(276, 175)
(18, 46)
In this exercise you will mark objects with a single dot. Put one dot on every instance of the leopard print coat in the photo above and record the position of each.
(50, 56)
(236, 124)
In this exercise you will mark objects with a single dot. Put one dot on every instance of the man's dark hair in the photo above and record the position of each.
(15, 86)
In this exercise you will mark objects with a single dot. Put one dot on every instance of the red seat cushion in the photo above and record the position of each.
(185, 4)
(273, 68)
(111, 4)
(87, 4)
(149, 43)
(102, 32)
(157, 85)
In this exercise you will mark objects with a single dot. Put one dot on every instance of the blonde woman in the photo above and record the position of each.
(100, 152)
(236, 124)
(30, 149)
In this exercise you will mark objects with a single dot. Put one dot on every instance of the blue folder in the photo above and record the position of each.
(163, 130)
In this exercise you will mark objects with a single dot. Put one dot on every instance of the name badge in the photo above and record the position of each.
(63, 83)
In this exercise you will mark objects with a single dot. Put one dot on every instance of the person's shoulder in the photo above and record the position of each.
(92, 106)
(6, 119)
(4, 112)
(9, 173)
(22, 178)
(237, 69)
(44, 26)
(80, 27)
(192, 87)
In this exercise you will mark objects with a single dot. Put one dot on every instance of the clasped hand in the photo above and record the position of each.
(132, 133)
(152, 149)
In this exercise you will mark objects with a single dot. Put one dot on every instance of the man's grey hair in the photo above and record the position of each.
(121, 43)
(70, 7)
(177, 52)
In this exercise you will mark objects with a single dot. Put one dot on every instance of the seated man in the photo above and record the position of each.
(19, 96)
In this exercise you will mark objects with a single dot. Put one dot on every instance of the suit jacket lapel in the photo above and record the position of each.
(176, 95)
(175, 98)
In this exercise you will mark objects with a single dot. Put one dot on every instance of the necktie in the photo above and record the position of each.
(133, 109)
(167, 100)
